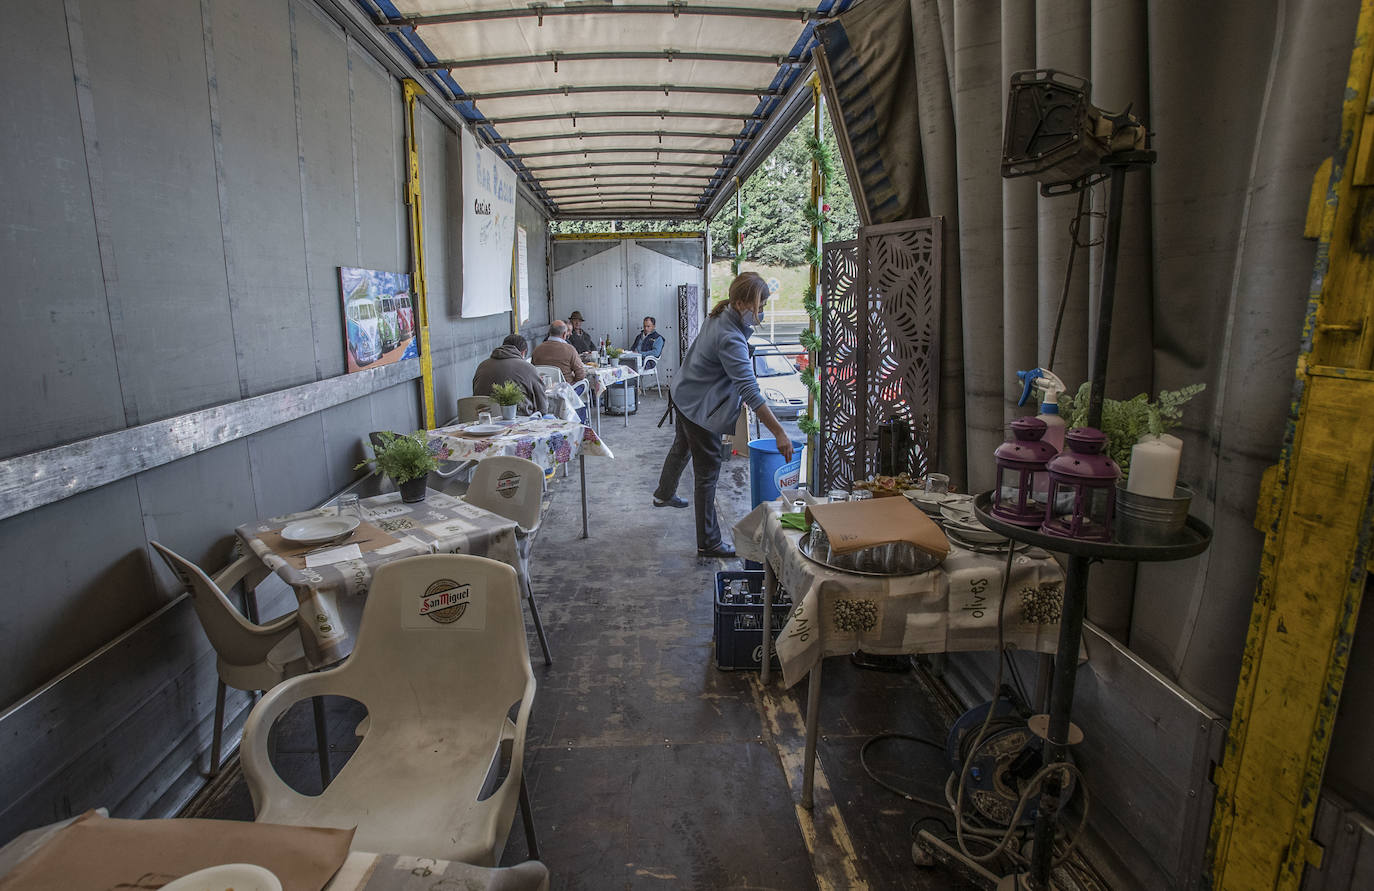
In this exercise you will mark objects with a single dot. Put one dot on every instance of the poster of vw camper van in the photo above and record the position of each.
(379, 321)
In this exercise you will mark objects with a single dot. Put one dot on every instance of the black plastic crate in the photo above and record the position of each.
(739, 625)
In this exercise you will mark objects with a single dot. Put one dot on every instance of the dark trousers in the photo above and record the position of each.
(706, 451)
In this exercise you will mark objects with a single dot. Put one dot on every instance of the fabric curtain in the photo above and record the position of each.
(1242, 100)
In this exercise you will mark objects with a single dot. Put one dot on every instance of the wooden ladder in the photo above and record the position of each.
(1315, 511)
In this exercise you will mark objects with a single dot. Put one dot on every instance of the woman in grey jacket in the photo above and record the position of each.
(715, 381)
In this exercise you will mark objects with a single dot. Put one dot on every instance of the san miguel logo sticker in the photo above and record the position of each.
(445, 601)
(508, 483)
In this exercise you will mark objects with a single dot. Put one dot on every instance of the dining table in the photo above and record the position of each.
(956, 606)
(93, 851)
(331, 581)
(602, 376)
(548, 442)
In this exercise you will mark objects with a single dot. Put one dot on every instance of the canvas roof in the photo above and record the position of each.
(613, 108)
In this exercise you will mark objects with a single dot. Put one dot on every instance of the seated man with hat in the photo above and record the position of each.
(581, 340)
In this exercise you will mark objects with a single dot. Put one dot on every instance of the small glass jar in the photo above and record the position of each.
(861, 495)
(838, 495)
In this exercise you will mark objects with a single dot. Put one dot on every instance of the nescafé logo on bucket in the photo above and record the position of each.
(445, 601)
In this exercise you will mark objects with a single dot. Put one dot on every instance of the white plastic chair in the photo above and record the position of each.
(439, 662)
(247, 656)
(469, 407)
(514, 488)
(551, 370)
(650, 366)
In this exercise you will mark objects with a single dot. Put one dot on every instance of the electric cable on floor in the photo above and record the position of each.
(954, 803)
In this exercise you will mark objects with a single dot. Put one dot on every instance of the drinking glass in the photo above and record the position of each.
(861, 495)
(937, 483)
(838, 495)
(484, 418)
(348, 506)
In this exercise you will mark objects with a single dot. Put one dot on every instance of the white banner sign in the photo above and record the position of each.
(488, 229)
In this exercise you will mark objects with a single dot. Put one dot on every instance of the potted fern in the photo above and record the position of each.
(1154, 508)
(406, 460)
(613, 353)
(510, 396)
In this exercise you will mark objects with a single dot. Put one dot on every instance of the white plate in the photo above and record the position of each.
(484, 429)
(227, 877)
(319, 529)
(974, 531)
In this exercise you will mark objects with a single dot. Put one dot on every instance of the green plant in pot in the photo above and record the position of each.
(405, 459)
(510, 396)
(613, 353)
(1153, 508)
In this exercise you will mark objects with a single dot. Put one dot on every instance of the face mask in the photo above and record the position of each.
(751, 318)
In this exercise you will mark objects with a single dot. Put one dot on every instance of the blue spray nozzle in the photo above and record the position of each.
(1028, 378)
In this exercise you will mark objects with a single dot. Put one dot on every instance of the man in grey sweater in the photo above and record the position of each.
(507, 363)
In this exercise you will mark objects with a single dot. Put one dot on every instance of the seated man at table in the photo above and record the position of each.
(581, 340)
(507, 363)
(648, 342)
(556, 351)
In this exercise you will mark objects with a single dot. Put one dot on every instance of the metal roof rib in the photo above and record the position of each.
(523, 66)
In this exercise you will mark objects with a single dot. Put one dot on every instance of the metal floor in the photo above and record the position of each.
(647, 766)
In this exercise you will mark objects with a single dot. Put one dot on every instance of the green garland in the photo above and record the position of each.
(816, 217)
(813, 308)
(823, 154)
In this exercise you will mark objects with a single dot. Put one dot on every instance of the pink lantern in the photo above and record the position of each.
(1022, 491)
(1082, 497)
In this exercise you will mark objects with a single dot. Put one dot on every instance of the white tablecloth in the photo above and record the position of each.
(951, 608)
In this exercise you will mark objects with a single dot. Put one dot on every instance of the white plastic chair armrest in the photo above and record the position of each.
(517, 758)
(253, 749)
(282, 624)
(457, 468)
(235, 572)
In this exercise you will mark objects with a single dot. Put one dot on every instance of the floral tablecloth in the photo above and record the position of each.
(948, 609)
(331, 596)
(602, 376)
(547, 442)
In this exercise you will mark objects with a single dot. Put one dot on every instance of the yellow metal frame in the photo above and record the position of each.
(412, 91)
(1315, 508)
(609, 236)
(818, 239)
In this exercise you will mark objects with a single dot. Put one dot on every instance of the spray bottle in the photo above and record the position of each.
(1050, 384)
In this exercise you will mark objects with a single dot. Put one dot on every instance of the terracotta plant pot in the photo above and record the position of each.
(413, 490)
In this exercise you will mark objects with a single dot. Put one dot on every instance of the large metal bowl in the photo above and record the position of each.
(893, 558)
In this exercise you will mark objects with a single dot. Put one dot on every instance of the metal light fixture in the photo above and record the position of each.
(1056, 135)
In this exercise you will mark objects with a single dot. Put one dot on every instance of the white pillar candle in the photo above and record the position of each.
(1154, 466)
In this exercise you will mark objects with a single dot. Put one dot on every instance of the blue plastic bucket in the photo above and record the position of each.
(764, 461)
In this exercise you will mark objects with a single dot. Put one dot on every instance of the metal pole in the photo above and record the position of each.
(813, 721)
(1103, 342)
(1076, 583)
(1061, 701)
(582, 468)
(770, 585)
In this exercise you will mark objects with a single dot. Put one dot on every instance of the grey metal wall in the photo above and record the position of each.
(180, 183)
